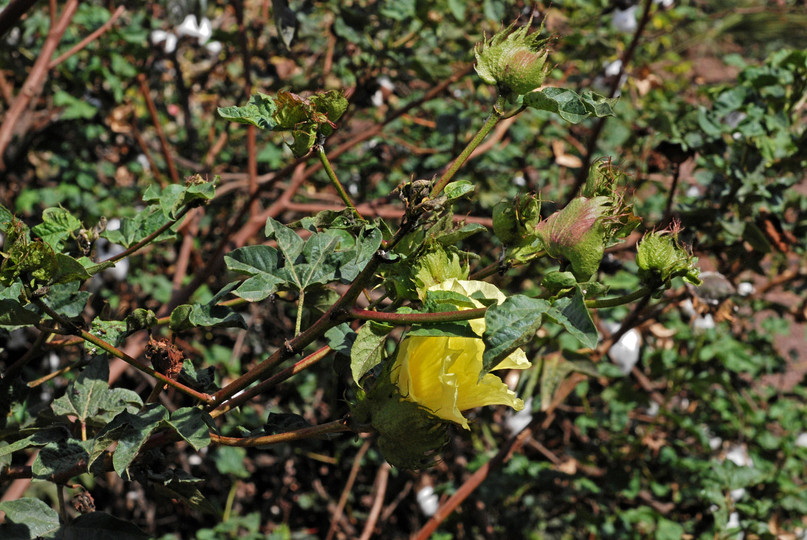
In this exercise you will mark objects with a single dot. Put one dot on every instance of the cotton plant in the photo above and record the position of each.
(437, 344)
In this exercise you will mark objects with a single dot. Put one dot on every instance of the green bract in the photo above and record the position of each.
(660, 257)
(513, 60)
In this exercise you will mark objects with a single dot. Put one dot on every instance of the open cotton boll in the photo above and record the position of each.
(518, 420)
(428, 501)
(624, 20)
(625, 352)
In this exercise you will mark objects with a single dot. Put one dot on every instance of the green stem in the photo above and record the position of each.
(493, 118)
(228, 506)
(326, 164)
(619, 300)
(131, 249)
(300, 434)
(418, 318)
(299, 322)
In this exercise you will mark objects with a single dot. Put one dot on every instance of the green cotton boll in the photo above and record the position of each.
(409, 436)
(659, 256)
(577, 234)
(513, 60)
(514, 222)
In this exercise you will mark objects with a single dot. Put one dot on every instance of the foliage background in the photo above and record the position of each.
(709, 128)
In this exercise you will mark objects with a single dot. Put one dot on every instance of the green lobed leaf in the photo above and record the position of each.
(28, 516)
(569, 105)
(131, 431)
(354, 260)
(193, 425)
(59, 458)
(341, 338)
(320, 261)
(368, 349)
(288, 242)
(12, 313)
(57, 225)
(84, 396)
(133, 230)
(68, 269)
(259, 262)
(510, 325)
(574, 316)
(259, 111)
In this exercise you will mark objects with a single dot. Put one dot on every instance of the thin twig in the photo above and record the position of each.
(351, 479)
(337, 426)
(275, 379)
(378, 501)
(35, 81)
(87, 40)
(155, 119)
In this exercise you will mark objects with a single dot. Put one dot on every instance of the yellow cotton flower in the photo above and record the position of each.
(442, 374)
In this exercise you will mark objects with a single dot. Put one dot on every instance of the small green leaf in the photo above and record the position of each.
(355, 259)
(140, 319)
(57, 225)
(68, 269)
(341, 338)
(66, 300)
(510, 325)
(133, 230)
(368, 349)
(134, 430)
(457, 190)
(28, 515)
(574, 316)
(230, 460)
(568, 105)
(445, 329)
(259, 111)
(59, 458)
(212, 314)
(179, 320)
(173, 198)
(83, 396)
(193, 425)
(288, 242)
(12, 313)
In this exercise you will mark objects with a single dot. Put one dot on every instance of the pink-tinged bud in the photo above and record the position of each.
(577, 234)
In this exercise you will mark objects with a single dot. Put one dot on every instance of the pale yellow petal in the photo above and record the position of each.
(490, 391)
(516, 360)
